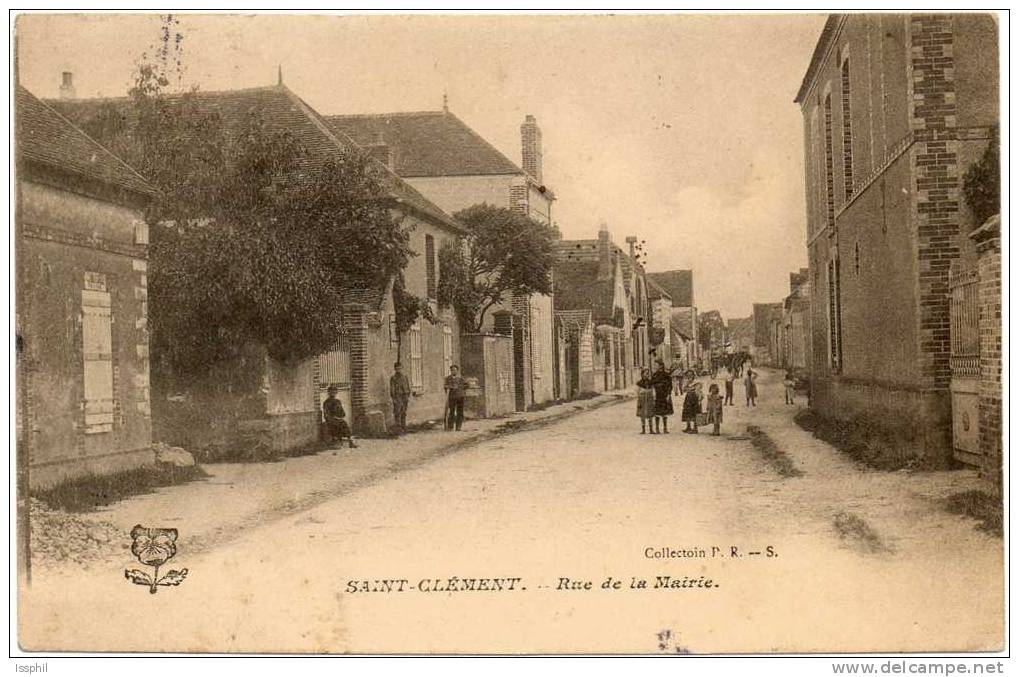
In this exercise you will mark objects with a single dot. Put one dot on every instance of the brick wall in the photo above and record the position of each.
(989, 267)
(936, 176)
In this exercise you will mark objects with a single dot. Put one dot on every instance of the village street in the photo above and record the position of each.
(585, 498)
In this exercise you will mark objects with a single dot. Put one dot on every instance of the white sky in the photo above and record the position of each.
(680, 130)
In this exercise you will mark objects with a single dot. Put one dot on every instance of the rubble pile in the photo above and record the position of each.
(60, 537)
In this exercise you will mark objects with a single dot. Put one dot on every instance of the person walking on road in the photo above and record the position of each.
(335, 419)
(790, 388)
(399, 392)
(661, 381)
(751, 386)
(715, 405)
(645, 401)
(730, 379)
(456, 393)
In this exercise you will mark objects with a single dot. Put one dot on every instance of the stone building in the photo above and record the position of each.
(895, 109)
(795, 347)
(660, 333)
(455, 167)
(281, 403)
(678, 284)
(82, 335)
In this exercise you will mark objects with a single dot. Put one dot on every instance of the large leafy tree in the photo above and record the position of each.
(504, 253)
(982, 183)
(251, 243)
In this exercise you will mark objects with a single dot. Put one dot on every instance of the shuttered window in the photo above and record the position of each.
(416, 371)
(447, 349)
(430, 265)
(97, 351)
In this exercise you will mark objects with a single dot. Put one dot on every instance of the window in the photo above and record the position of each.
(416, 374)
(447, 349)
(847, 132)
(97, 351)
(537, 348)
(856, 259)
(834, 316)
(430, 266)
(829, 162)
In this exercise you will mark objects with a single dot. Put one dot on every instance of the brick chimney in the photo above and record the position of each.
(67, 85)
(606, 258)
(530, 141)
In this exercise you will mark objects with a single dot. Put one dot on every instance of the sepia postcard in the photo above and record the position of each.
(580, 333)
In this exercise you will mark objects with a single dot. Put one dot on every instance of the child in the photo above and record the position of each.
(714, 408)
(751, 385)
(730, 377)
(790, 388)
(645, 401)
(692, 407)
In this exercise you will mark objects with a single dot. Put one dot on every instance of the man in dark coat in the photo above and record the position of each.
(336, 419)
(456, 393)
(661, 381)
(399, 392)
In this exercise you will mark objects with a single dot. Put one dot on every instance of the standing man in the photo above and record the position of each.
(456, 393)
(336, 419)
(399, 392)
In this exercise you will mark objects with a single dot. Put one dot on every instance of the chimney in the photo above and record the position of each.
(606, 261)
(530, 141)
(67, 85)
(381, 151)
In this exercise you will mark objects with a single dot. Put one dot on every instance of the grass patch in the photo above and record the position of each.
(981, 506)
(85, 494)
(775, 457)
(864, 438)
(855, 529)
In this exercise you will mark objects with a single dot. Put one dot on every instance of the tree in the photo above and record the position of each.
(504, 253)
(250, 242)
(982, 182)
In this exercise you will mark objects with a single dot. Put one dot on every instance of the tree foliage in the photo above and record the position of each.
(982, 183)
(250, 242)
(504, 253)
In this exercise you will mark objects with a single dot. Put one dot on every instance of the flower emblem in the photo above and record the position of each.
(153, 547)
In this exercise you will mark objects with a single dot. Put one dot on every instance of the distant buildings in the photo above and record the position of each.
(678, 284)
(895, 109)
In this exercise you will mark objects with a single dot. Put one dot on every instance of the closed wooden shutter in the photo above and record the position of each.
(97, 351)
(430, 266)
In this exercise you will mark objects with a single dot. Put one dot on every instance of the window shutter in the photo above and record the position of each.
(430, 265)
(97, 353)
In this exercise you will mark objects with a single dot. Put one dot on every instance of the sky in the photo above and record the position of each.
(678, 129)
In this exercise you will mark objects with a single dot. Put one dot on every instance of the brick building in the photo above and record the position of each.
(81, 295)
(895, 109)
(455, 167)
(281, 403)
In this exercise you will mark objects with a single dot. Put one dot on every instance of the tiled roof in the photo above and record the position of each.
(283, 111)
(679, 285)
(577, 287)
(48, 138)
(656, 291)
(682, 320)
(431, 143)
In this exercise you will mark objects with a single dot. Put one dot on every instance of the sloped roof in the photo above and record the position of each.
(281, 110)
(682, 320)
(679, 285)
(427, 143)
(656, 291)
(46, 137)
(577, 287)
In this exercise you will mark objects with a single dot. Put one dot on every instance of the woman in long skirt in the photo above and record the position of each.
(751, 385)
(645, 401)
(662, 383)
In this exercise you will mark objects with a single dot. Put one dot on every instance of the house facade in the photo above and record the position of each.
(795, 346)
(660, 333)
(81, 313)
(279, 405)
(453, 166)
(679, 286)
(895, 109)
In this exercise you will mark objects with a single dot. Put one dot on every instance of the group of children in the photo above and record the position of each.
(693, 406)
